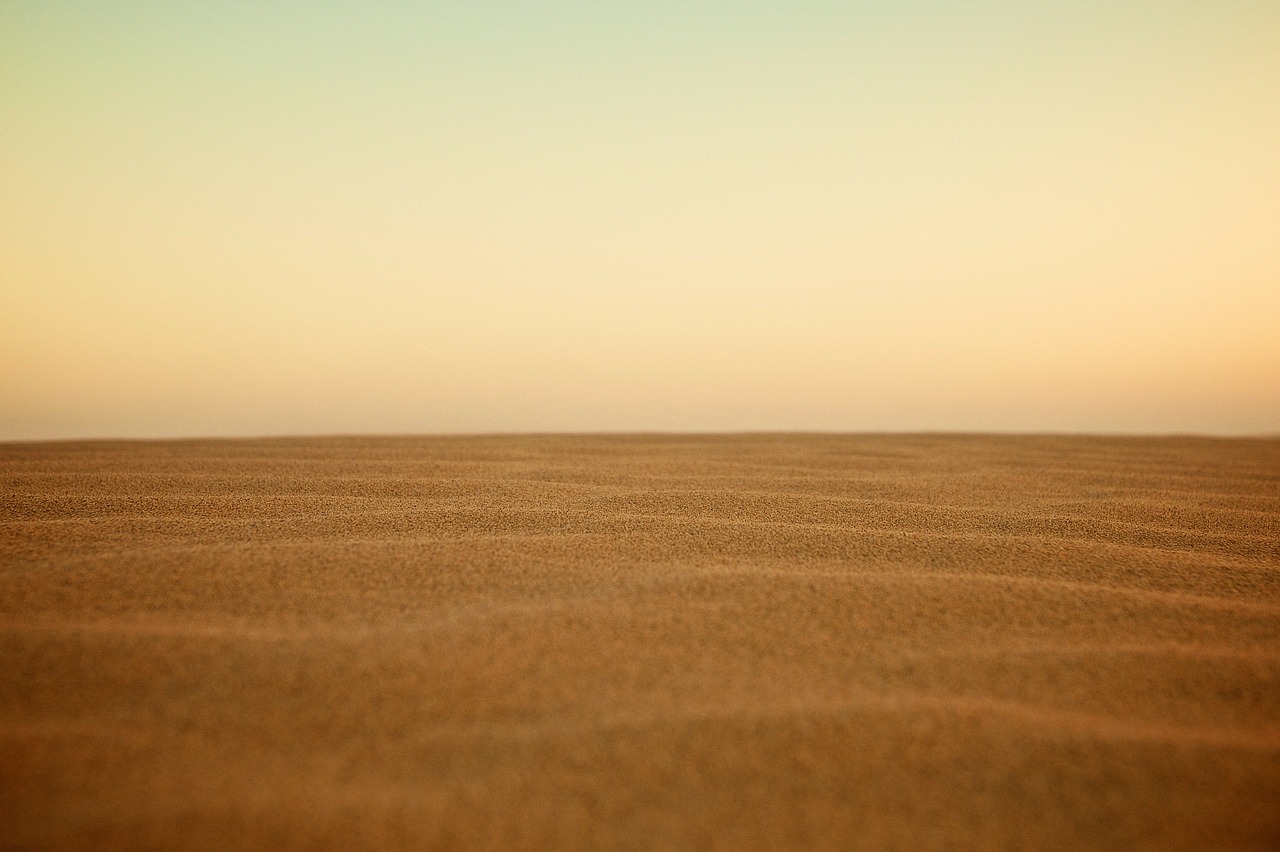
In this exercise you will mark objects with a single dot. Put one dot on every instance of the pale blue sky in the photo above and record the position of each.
(226, 219)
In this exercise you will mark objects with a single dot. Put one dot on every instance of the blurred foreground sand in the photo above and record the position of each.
(641, 642)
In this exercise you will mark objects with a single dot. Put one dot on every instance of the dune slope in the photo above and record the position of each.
(665, 642)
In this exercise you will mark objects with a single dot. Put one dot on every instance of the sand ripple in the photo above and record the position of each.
(641, 642)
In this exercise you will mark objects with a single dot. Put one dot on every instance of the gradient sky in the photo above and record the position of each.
(264, 218)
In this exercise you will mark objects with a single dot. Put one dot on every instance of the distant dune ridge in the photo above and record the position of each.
(757, 641)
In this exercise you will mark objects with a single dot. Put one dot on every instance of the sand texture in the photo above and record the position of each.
(641, 642)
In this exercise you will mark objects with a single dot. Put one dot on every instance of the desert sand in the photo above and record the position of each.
(641, 642)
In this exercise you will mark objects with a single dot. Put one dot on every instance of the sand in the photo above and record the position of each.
(657, 642)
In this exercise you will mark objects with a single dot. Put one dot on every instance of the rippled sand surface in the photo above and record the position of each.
(914, 642)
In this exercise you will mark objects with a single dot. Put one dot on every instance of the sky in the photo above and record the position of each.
(295, 218)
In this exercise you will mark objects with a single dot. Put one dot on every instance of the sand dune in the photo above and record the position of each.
(737, 642)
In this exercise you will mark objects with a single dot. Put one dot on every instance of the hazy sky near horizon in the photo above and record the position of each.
(264, 218)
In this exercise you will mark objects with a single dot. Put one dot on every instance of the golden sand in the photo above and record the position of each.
(915, 642)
